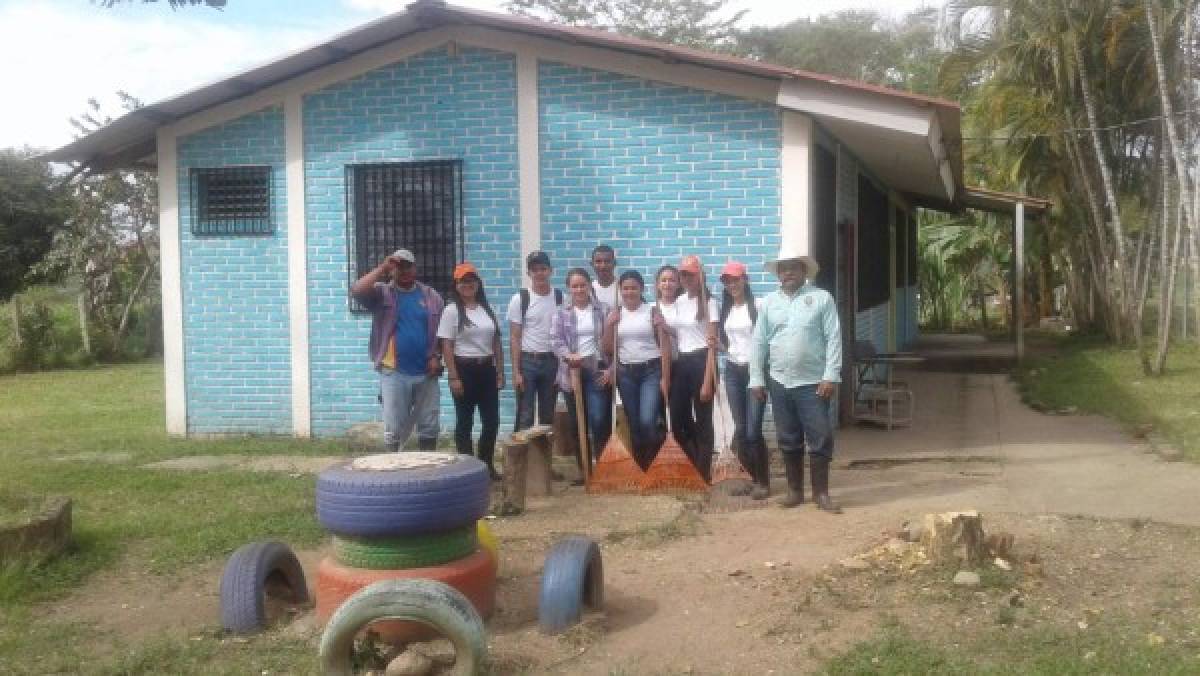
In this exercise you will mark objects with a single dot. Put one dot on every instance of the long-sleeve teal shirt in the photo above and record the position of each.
(800, 337)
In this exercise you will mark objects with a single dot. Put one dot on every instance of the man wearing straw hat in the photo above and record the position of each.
(796, 355)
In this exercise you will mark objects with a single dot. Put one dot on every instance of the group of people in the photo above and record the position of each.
(658, 349)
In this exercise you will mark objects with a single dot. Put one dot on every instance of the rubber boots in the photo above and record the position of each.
(793, 465)
(820, 485)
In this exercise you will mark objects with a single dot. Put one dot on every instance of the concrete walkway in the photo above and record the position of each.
(999, 454)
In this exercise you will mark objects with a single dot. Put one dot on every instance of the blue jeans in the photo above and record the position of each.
(642, 399)
(409, 402)
(801, 416)
(747, 413)
(597, 404)
(539, 372)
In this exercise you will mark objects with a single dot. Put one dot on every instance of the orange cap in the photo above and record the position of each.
(733, 269)
(690, 264)
(463, 269)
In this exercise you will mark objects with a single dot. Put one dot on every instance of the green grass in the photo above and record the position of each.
(1038, 651)
(50, 423)
(1095, 377)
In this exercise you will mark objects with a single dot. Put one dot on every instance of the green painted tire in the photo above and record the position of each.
(414, 551)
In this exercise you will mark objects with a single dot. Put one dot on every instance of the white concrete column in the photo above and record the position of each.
(1019, 286)
(171, 267)
(796, 170)
(297, 238)
(528, 154)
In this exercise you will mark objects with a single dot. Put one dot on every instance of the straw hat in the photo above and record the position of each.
(787, 253)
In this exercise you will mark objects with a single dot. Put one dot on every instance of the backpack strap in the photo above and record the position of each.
(558, 300)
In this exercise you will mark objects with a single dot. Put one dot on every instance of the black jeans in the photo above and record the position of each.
(479, 390)
(691, 419)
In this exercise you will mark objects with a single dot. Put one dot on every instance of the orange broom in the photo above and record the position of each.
(731, 482)
(616, 471)
(672, 471)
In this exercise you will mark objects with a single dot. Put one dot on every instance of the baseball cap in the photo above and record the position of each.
(733, 269)
(537, 258)
(463, 269)
(690, 264)
(404, 255)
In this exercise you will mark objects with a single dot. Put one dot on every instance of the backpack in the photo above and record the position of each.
(558, 300)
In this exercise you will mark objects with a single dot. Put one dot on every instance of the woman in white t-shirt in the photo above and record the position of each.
(642, 375)
(691, 314)
(578, 340)
(474, 361)
(739, 310)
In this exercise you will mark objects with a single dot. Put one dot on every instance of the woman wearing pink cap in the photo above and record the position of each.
(735, 329)
(470, 338)
(691, 315)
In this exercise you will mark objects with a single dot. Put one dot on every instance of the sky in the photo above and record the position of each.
(57, 54)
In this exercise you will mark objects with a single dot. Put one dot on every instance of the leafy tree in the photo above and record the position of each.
(857, 44)
(33, 207)
(691, 23)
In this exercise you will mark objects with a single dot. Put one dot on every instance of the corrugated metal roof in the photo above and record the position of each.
(131, 138)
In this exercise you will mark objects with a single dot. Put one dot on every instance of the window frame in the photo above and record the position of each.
(254, 220)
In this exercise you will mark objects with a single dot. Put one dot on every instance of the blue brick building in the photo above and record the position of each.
(523, 135)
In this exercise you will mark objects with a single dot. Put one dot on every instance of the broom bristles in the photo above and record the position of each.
(672, 471)
(616, 471)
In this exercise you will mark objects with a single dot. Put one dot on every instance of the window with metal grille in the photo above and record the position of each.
(231, 201)
(408, 205)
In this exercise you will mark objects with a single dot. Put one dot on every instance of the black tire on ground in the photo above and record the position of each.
(244, 584)
(572, 577)
(447, 492)
(429, 602)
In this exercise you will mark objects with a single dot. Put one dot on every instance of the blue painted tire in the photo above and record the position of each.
(244, 584)
(403, 502)
(572, 577)
(434, 604)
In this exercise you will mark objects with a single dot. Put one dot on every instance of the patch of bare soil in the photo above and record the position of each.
(759, 591)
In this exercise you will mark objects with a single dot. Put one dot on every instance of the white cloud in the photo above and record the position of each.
(57, 57)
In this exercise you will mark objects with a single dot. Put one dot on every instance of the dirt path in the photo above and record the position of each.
(700, 592)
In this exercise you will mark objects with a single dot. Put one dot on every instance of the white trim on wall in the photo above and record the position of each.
(293, 115)
(796, 175)
(733, 84)
(528, 153)
(174, 374)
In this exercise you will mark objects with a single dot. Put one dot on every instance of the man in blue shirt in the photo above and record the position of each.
(796, 355)
(403, 348)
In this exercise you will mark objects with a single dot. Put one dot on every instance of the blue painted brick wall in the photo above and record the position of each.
(657, 171)
(238, 364)
(430, 106)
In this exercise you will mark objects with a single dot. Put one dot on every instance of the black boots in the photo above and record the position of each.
(820, 485)
(793, 464)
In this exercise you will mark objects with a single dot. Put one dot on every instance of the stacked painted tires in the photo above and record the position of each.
(404, 516)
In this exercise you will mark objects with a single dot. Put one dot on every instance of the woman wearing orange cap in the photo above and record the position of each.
(735, 329)
(691, 315)
(475, 362)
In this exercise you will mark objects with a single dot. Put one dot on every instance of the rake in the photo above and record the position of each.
(616, 471)
(672, 471)
(731, 481)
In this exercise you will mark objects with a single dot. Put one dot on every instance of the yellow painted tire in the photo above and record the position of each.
(487, 540)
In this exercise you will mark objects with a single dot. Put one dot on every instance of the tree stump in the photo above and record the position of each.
(539, 441)
(34, 529)
(566, 444)
(955, 537)
(516, 456)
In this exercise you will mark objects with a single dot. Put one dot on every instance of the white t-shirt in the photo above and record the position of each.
(606, 295)
(681, 317)
(635, 335)
(740, 330)
(585, 331)
(478, 332)
(539, 321)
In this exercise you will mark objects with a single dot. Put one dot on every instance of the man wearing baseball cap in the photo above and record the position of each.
(796, 355)
(530, 328)
(403, 347)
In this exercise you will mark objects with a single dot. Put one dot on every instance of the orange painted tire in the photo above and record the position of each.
(474, 576)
